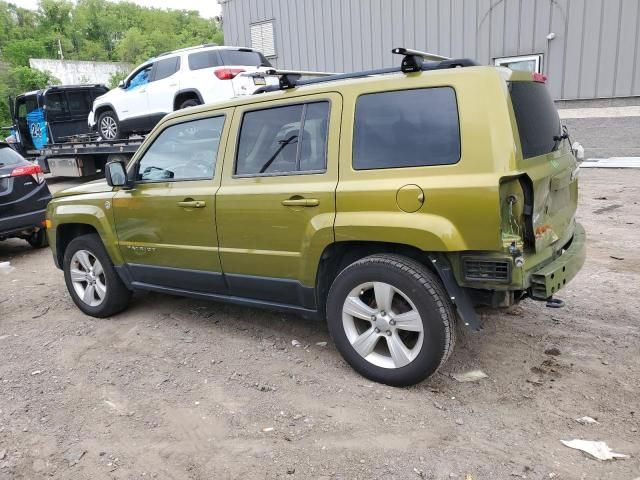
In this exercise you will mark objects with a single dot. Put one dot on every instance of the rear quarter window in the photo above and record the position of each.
(536, 117)
(406, 128)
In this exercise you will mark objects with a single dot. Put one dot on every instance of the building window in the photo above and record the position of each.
(263, 39)
(528, 63)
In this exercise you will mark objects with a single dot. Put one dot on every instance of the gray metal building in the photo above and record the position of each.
(588, 48)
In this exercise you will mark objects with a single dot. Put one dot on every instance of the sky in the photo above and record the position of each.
(207, 8)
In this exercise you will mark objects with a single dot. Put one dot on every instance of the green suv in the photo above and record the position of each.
(390, 203)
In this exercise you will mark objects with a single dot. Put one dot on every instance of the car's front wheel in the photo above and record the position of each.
(93, 283)
(108, 126)
(391, 319)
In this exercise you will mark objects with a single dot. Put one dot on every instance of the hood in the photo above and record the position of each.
(97, 186)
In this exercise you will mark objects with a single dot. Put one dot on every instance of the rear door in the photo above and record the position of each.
(163, 86)
(276, 204)
(549, 163)
(58, 115)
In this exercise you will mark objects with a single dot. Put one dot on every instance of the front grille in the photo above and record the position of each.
(487, 270)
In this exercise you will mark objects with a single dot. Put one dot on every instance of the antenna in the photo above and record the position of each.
(413, 59)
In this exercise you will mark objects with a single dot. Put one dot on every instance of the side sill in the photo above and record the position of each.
(247, 302)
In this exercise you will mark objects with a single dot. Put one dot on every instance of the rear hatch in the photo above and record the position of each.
(240, 67)
(22, 187)
(550, 182)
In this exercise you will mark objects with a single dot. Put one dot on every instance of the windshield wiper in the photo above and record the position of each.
(283, 143)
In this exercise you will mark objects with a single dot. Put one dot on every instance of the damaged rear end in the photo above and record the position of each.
(539, 202)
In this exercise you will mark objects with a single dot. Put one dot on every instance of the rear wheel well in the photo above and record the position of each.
(67, 232)
(183, 96)
(337, 256)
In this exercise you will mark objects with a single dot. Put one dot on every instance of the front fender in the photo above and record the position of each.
(95, 213)
(427, 232)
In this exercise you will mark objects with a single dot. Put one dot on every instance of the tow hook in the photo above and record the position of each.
(515, 252)
(554, 303)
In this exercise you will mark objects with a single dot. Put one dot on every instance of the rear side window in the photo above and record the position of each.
(536, 116)
(206, 59)
(79, 102)
(406, 128)
(57, 106)
(166, 68)
(291, 139)
(240, 57)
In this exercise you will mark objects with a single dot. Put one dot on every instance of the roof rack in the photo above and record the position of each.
(413, 61)
(288, 78)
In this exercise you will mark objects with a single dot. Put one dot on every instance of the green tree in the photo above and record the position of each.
(18, 52)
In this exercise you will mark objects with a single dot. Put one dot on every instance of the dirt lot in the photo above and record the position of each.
(183, 389)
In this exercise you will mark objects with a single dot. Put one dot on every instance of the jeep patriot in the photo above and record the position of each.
(390, 203)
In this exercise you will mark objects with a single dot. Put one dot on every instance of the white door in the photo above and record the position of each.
(134, 102)
(164, 85)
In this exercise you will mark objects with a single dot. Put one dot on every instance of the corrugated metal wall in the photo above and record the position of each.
(595, 52)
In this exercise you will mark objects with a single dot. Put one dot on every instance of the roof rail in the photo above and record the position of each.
(204, 45)
(413, 61)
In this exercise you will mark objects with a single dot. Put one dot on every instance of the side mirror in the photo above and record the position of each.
(121, 84)
(116, 175)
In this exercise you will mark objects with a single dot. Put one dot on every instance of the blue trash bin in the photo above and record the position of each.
(37, 128)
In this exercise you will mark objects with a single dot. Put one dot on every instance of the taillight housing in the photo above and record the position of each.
(539, 77)
(34, 170)
(228, 73)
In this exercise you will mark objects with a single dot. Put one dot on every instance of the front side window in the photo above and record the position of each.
(291, 139)
(186, 151)
(406, 128)
(140, 78)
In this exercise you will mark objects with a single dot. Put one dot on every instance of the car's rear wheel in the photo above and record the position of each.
(38, 239)
(108, 126)
(93, 283)
(190, 102)
(391, 319)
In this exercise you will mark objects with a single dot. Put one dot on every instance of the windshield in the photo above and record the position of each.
(536, 116)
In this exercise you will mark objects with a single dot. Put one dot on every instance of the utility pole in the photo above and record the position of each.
(60, 49)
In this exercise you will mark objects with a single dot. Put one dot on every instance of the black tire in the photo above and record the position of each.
(117, 295)
(38, 239)
(424, 290)
(190, 102)
(109, 126)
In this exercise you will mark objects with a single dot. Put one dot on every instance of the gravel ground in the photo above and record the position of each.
(182, 389)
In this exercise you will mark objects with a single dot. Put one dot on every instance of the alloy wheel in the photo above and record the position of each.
(87, 277)
(108, 127)
(382, 324)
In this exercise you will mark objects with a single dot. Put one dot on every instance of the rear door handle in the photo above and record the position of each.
(192, 204)
(301, 202)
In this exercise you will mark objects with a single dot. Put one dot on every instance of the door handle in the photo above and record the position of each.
(192, 204)
(301, 202)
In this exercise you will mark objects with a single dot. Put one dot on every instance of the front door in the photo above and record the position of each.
(166, 223)
(276, 204)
